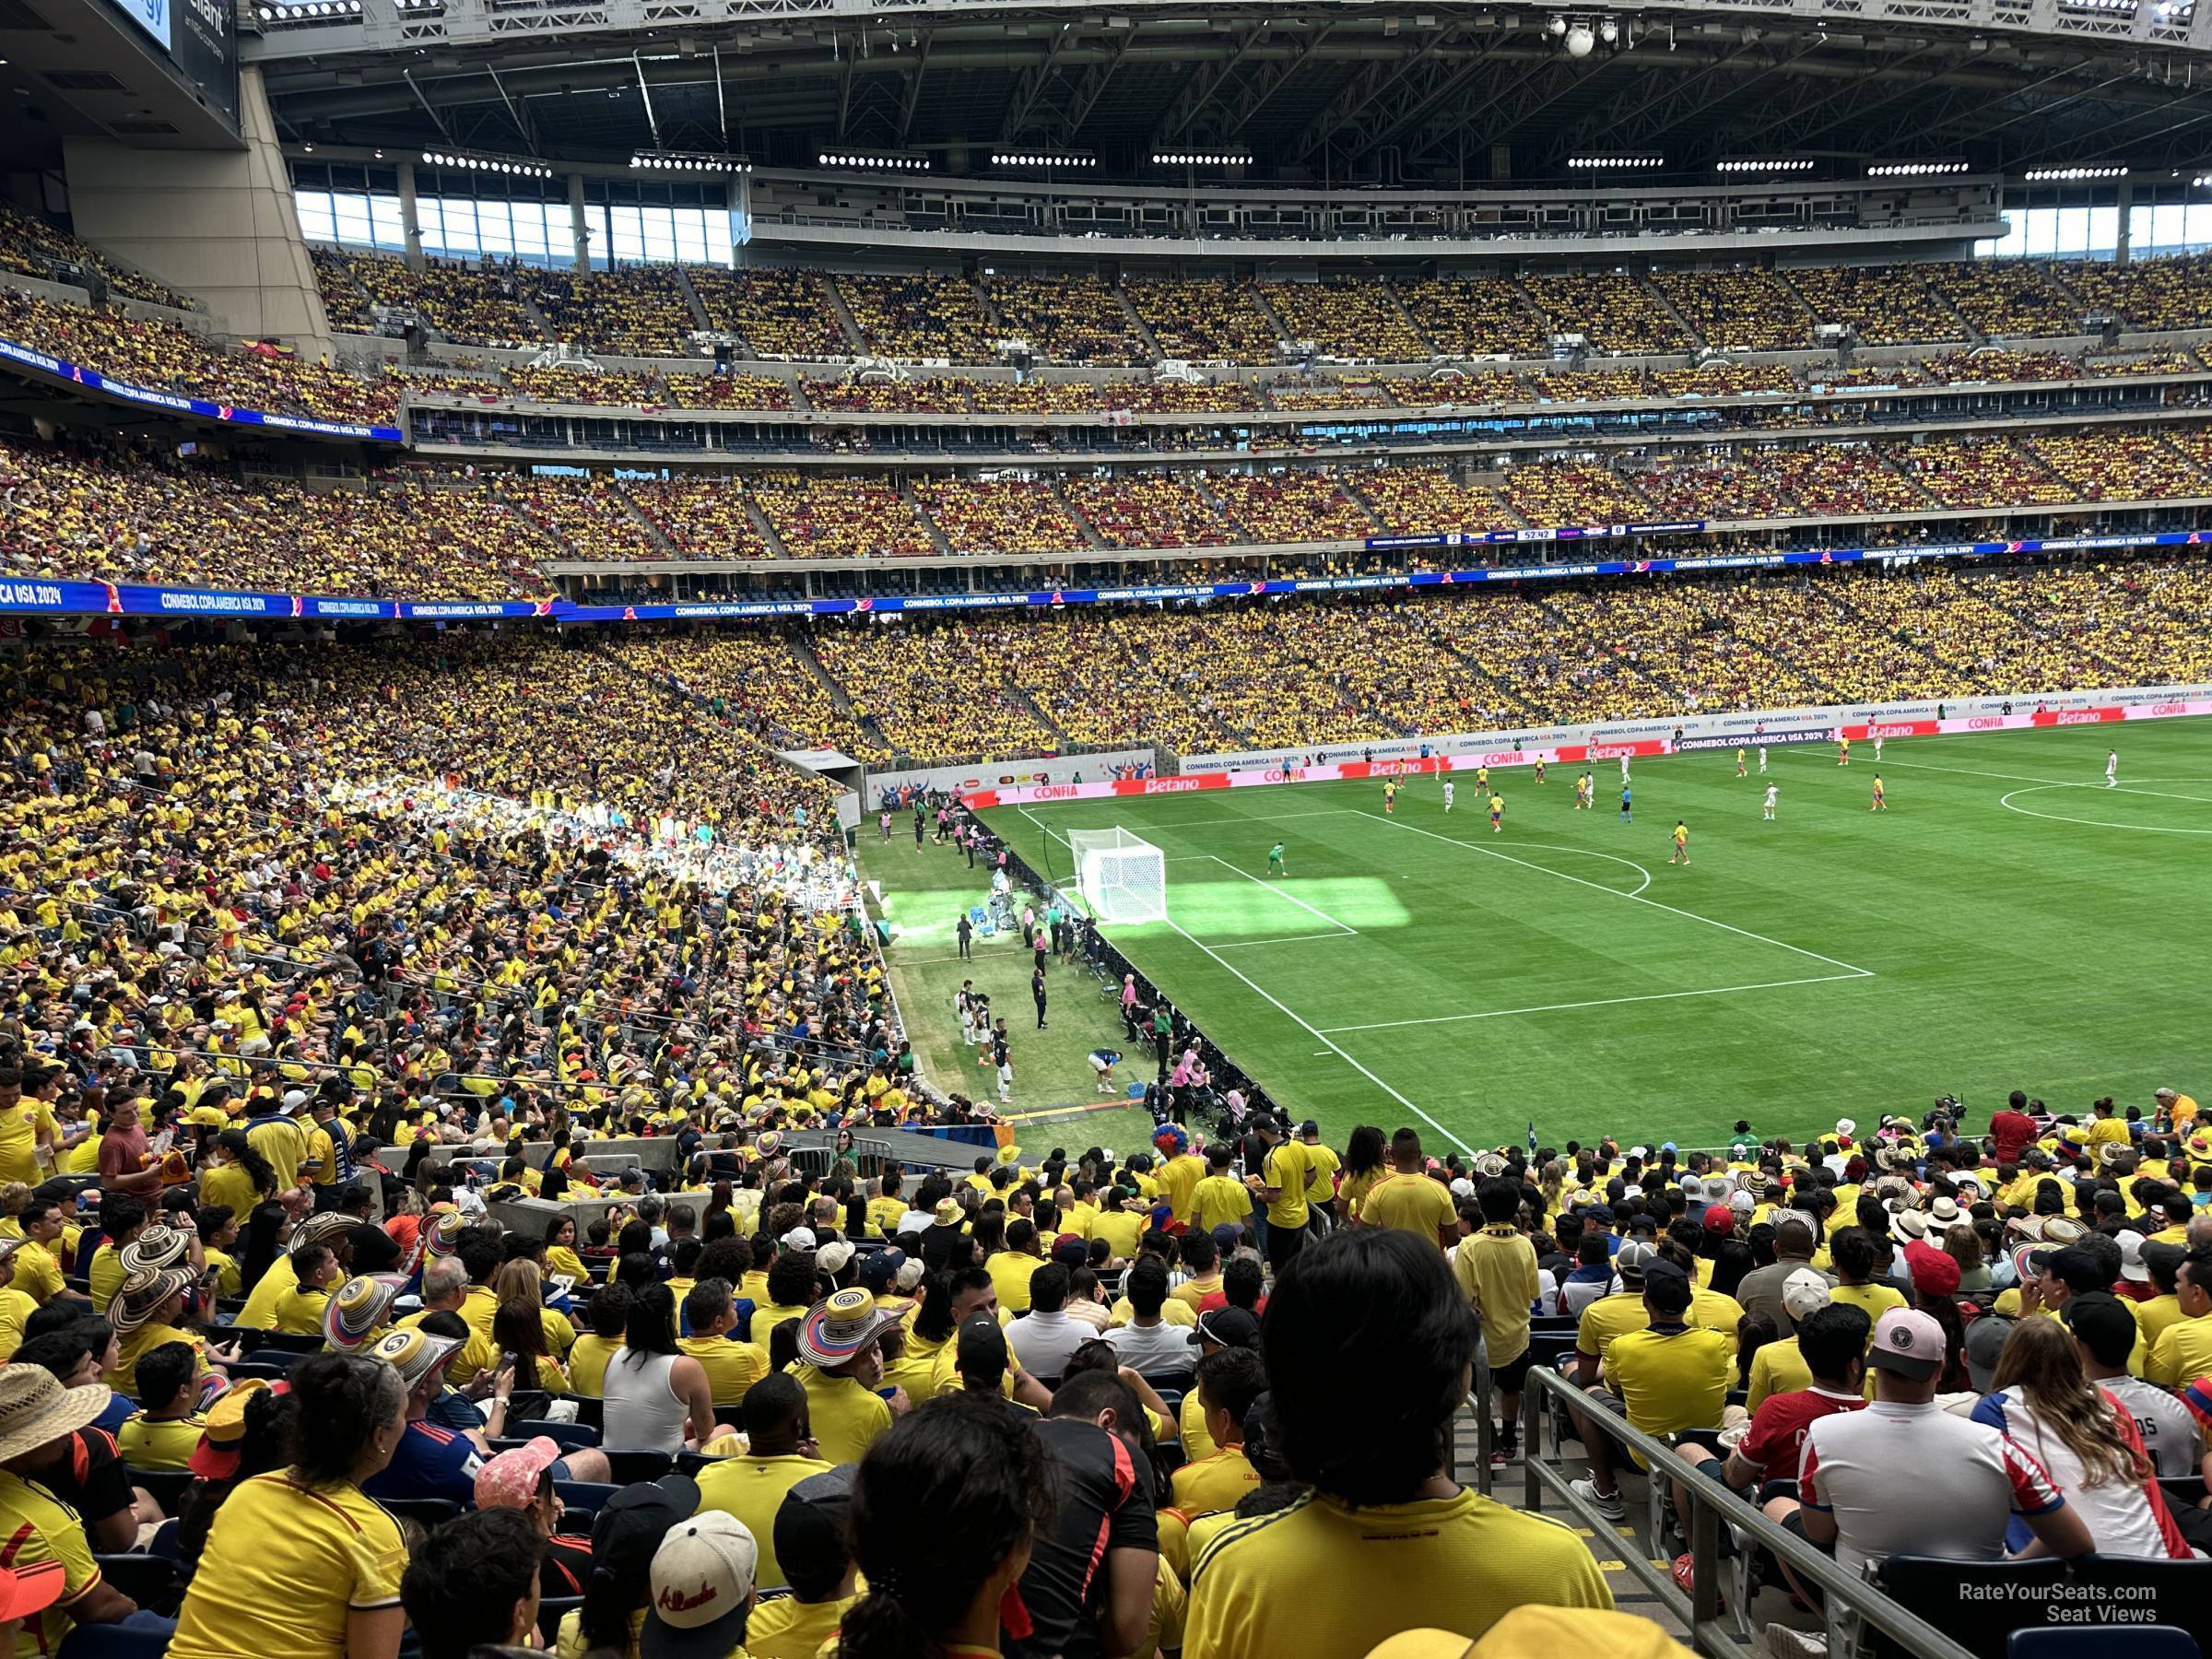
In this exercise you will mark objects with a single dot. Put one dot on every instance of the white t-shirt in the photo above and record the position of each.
(1042, 1341)
(2168, 1428)
(1154, 1348)
(1866, 1468)
(2117, 1513)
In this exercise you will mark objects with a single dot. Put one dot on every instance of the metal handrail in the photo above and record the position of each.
(1710, 1504)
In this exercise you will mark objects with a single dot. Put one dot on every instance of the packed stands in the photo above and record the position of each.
(1585, 385)
(878, 394)
(1005, 515)
(1032, 397)
(639, 310)
(1147, 509)
(934, 692)
(763, 679)
(1475, 316)
(839, 518)
(1203, 322)
(776, 313)
(1717, 377)
(1355, 320)
(1612, 311)
(1547, 494)
(345, 301)
(1427, 500)
(2173, 292)
(2120, 466)
(1075, 318)
(699, 517)
(727, 392)
(562, 383)
(925, 316)
(1888, 305)
(1721, 485)
(1979, 473)
(469, 305)
(2006, 296)
(36, 248)
(1327, 394)
(1290, 507)
(1826, 480)
(588, 518)
(1738, 310)
(1995, 364)
(75, 515)
(1491, 386)
(1181, 397)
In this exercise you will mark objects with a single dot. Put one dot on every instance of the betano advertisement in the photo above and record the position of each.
(1578, 754)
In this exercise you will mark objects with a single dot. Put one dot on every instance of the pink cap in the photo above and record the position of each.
(510, 1479)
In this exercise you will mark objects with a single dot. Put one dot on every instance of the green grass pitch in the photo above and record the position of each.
(2008, 923)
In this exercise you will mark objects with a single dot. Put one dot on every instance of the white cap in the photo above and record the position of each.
(799, 1238)
(834, 1256)
(1805, 1293)
(1846, 1127)
(294, 1098)
(701, 1581)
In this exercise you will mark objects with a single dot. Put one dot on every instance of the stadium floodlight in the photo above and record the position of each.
(873, 163)
(1071, 159)
(2044, 175)
(1764, 164)
(500, 164)
(1614, 163)
(701, 162)
(1120, 876)
(1914, 169)
(1202, 158)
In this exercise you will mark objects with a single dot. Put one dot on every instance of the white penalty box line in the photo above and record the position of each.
(1846, 971)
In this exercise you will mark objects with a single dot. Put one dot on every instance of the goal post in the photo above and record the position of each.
(1120, 876)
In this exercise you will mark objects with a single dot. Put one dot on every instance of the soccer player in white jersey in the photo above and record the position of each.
(1762, 759)
(1447, 795)
(2112, 768)
(1624, 768)
(1878, 748)
(1773, 790)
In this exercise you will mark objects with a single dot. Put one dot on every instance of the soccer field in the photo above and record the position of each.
(2008, 923)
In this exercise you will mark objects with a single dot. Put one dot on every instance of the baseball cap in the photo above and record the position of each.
(1985, 1342)
(1933, 1270)
(701, 1583)
(810, 1523)
(980, 1346)
(799, 1239)
(1226, 1327)
(1804, 1293)
(880, 1268)
(1070, 1251)
(1908, 1342)
(223, 1430)
(2103, 1324)
(1720, 1218)
(834, 1257)
(2130, 1255)
(510, 1479)
(31, 1587)
(636, 1520)
(1631, 1259)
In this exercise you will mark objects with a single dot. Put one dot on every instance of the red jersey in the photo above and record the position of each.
(1778, 1429)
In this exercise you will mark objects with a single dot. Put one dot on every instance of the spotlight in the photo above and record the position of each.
(1579, 42)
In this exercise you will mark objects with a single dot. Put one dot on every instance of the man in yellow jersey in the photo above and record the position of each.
(1282, 1188)
(1497, 1269)
(1386, 1540)
(1408, 1199)
(1321, 1177)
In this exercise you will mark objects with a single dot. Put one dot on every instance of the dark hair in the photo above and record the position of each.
(770, 1402)
(306, 1258)
(791, 1281)
(1146, 1286)
(1241, 1281)
(932, 1320)
(1831, 1337)
(1368, 1328)
(518, 1328)
(461, 1589)
(163, 1370)
(705, 1303)
(1232, 1378)
(242, 1152)
(981, 1478)
(609, 1311)
(637, 1270)
(1667, 1293)
(1498, 1198)
(119, 1212)
(479, 1254)
(342, 1400)
(1091, 1390)
(63, 1351)
(1048, 1289)
(1853, 1252)
(651, 1327)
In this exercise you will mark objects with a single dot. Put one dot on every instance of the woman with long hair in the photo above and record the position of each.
(517, 1329)
(561, 1249)
(1963, 1245)
(657, 1396)
(934, 1590)
(1366, 1161)
(2046, 1405)
(268, 1228)
(242, 1179)
(334, 1587)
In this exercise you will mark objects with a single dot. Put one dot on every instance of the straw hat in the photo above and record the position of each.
(158, 1246)
(840, 1326)
(360, 1311)
(35, 1409)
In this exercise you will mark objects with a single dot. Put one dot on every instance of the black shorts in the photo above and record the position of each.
(1510, 1376)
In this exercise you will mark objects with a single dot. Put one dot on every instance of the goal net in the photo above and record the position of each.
(1120, 877)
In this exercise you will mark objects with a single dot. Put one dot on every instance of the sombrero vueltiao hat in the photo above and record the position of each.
(361, 1310)
(840, 1326)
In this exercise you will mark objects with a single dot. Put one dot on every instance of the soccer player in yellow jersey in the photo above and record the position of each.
(1385, 1540)
(1842, 752)
(1739, 762)
(1539, 771)
(1880, 805)
(1390, 796)
(1681, 852)
(1482, 780)
(1497, 815)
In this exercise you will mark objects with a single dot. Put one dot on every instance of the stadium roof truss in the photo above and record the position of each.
(1372, 92)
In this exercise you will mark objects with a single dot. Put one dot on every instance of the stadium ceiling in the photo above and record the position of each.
(1343, 93)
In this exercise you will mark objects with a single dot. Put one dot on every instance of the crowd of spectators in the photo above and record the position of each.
(936, 691)
(36, 247)
(839, 518)
(471, 305)
(1888, 305)
(1352, 319)
(777, 313)
(1425, 500)
(730, 391)
(2171, 292)
(1147, 510)
(639, 310)
(1198, 321)
(1718, 485)
(927, 316)
(1611, 310)
(1990, 472)
(586, 518)
(1549, 494)
(1475, 316)
(699, 517)
(1003, 515)
(2006, 297)
(570, 383)
(1746, 310)
(2119, 466)
(1290, 506)
(1077, 318)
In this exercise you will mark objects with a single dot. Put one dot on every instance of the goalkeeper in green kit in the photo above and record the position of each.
(1275, 860)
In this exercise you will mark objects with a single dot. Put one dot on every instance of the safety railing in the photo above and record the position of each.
(1853, 1604)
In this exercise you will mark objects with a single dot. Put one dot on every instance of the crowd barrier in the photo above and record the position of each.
(1572, 754)
(132, 599)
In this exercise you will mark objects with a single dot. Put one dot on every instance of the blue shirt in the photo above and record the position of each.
(430, 1462)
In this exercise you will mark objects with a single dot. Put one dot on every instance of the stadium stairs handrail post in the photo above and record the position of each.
(1853, 1604)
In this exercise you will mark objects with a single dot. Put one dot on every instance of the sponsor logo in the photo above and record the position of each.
(1052, 792)
(2079, 716)
(1283, 774)
(1610, 751)
(1165, 785)
(2168, 708)
(1984, 722)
